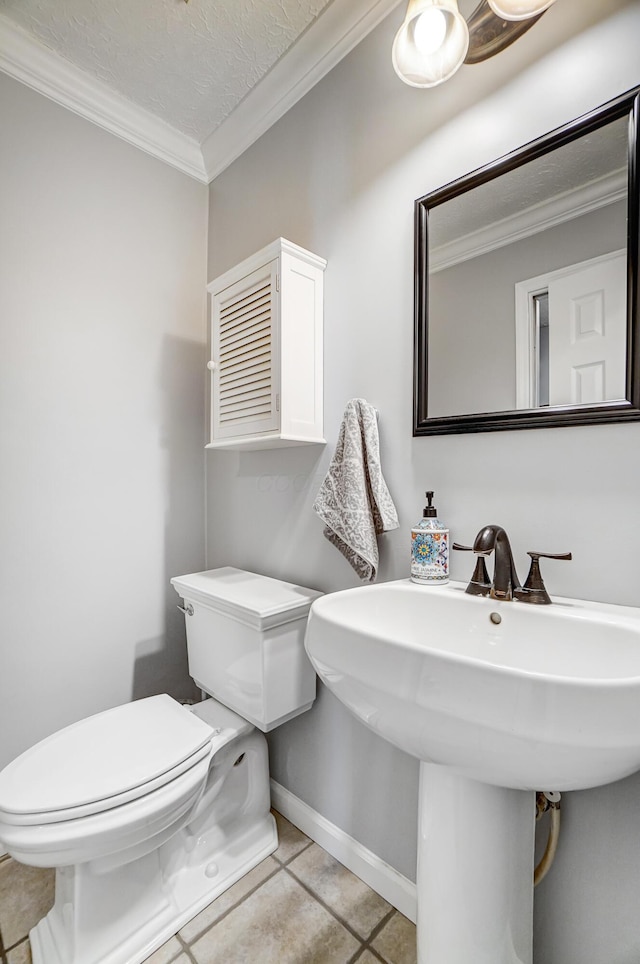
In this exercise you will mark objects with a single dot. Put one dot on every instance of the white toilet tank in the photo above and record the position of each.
(245, 642)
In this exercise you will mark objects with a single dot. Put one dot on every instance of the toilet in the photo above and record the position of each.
(150, 810)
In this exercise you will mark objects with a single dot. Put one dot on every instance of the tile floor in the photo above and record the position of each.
(299, 906)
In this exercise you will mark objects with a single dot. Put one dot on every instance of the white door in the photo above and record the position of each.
(587, 344)
(588, 333)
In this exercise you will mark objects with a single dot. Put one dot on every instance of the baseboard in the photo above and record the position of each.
(393, 886)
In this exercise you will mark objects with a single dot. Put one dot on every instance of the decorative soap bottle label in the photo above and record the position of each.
(430, 548)
(430, 552)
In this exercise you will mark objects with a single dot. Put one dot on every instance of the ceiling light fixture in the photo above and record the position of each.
(431, 43)
(435, 39)
(519, 9)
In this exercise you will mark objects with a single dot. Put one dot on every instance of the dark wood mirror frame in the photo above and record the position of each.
(628, 105)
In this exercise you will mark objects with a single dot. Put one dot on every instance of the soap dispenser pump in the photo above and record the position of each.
(430, 548)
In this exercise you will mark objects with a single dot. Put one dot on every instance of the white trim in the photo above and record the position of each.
(526, 362)
(564, 207)
(338, 29)
(393, 886)
(29, 61)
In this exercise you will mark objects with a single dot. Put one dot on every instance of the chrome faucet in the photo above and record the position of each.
(505, 578)
(505, 584)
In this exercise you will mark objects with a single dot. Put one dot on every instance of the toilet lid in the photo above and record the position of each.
(259, 601)
(103, 756)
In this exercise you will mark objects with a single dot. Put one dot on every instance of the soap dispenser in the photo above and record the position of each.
(430, 548)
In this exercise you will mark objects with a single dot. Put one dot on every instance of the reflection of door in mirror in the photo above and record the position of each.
(553, 213)
(571, 334)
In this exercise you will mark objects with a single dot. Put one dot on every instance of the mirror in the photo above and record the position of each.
(526, 285)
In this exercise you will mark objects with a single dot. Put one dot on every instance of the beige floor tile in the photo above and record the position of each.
(396, 942)
(167, 953)
(20, 954)
(347, 896)
(290, 840)
(368, 958)
(278, 924)
(226, 901)
(26, 895)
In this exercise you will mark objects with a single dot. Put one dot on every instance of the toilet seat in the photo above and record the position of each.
(71, 775)
(152, 816)
(39, 817)
(139, 817)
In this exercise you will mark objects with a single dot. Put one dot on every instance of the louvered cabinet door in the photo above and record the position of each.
(266, 348)
(245, 357)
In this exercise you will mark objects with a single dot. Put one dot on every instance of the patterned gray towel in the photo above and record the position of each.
(354, 501)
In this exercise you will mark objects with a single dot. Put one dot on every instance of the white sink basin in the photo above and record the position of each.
(546, 698)
(496, 699)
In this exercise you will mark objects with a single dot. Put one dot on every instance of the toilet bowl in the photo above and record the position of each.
(53, 814)
(150, 810)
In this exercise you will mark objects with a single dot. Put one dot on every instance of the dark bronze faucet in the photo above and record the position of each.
(505, 578)
(505, 584)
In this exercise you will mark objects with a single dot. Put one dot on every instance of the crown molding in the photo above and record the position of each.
(29, 61)
(338, 29)
(564, 207)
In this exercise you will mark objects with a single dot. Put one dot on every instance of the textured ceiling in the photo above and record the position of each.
(189, 63)
(601, 153)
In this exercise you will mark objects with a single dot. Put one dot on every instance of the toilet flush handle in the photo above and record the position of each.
(187, 610)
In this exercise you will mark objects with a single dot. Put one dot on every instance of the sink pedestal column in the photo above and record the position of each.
(475, 871)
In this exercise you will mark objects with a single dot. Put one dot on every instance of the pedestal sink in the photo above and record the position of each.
(497, 700)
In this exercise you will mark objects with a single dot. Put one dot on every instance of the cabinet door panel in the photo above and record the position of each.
(245, 356)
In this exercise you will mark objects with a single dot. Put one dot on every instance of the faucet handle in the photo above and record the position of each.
(534, 589)
(480, 584)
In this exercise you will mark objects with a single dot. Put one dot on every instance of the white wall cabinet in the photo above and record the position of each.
(266, 350)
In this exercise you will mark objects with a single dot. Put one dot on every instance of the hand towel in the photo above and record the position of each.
(354, 502)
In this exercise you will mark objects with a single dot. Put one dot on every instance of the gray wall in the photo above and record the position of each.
(339, 174)
(102, 348)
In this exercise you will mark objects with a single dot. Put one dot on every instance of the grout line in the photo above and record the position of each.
(289, 860)
(7, 950)
(363, 950)
(374, 933)
(3, 956)
(376, 954)
(186, 949)
(357, 956)
(319, 900)
(381, 925)
(233, 907)
(13, 946)
(365, 942)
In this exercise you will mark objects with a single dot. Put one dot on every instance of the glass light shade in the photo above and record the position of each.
(431, 44)
(519, 9)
